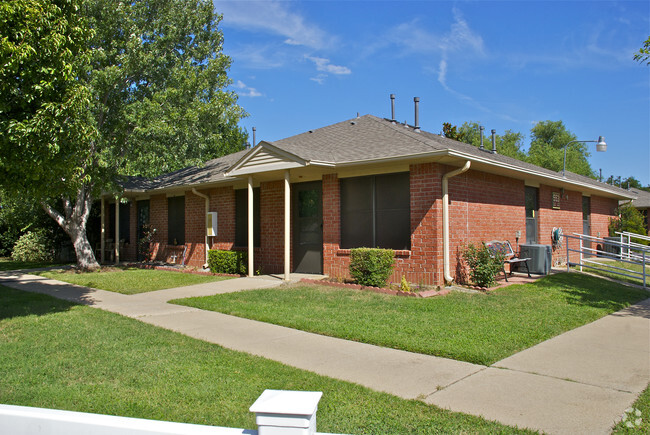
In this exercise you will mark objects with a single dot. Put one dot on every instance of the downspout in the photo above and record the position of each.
(445, 218)
(207, 209)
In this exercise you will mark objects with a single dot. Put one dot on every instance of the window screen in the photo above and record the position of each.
(241, 217)
(176, 220)
(375, 212)
(125, 228)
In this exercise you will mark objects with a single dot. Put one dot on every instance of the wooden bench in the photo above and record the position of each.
(505, 249)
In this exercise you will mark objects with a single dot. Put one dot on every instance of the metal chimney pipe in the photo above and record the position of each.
(494, 141)
(392, 108)
(254, 143)
(481, 128)
(416, 100)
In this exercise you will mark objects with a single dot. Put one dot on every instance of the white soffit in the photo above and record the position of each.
(264, 158)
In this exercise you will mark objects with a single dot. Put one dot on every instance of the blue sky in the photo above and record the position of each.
(506, 64)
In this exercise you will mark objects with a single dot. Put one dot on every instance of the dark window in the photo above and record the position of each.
(375, 212)
(176, 220)
(241, 217)
(125, 219)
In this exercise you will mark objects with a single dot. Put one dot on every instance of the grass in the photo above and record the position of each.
(478, 328)
(55, 354)
(608, 272)
(130, 281)
(643, 405)
(6, 263)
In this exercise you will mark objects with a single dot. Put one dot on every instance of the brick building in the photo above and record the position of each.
(300, 204)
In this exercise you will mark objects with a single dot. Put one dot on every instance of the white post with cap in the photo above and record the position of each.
(281, 412)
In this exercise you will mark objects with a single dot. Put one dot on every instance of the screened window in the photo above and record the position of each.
(176, 220)
(125, 228)
(241, 217)
(375, 212)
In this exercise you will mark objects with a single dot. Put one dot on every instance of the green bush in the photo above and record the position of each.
(483, 266)
(371, 267)
(231, 262)
(33, 246)
(629, 219)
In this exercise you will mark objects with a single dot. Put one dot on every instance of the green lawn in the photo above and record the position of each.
(6, 263)
(478, 328)
(130, 281)
(55, 354)
(609, 272)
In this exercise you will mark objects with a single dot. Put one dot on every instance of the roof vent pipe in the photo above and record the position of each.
(481, 128)
(392, 108)
(254, 143)
(494, 141)
(416, 100)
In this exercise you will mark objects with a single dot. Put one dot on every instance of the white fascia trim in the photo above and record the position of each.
(534, 173)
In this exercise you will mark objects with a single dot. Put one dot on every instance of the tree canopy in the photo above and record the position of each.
(97, 89)
(546, 149)
(644, 53)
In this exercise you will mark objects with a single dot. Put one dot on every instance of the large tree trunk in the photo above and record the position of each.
(73, 220)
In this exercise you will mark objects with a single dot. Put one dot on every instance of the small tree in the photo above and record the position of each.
(629, 219)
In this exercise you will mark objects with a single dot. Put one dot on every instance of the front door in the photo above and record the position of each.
(308, 227)
(532, 210)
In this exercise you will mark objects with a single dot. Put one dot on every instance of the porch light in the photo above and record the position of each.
(601, 147)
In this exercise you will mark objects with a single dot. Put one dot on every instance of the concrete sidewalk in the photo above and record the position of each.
(578, 382)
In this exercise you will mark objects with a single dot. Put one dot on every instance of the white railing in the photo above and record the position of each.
(583, 244)
(276, 412)
(630, 249)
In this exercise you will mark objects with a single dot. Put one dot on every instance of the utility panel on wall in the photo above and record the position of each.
(212, 223)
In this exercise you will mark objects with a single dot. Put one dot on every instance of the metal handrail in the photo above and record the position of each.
(637, 259)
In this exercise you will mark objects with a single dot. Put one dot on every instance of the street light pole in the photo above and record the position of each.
(601, 146)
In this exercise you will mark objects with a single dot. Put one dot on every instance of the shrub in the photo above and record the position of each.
(33, 246)
(483, 266)
(629, 219)
(145, 245)
(371, 267)
(231, 262)
(404, 285)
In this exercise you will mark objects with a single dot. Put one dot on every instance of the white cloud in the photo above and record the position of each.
(415, 38)
(442, 73)
(320, 78)
(324, 65)
(273, 17)
(246, 91)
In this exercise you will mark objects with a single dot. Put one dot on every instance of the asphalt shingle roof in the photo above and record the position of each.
(356, 140)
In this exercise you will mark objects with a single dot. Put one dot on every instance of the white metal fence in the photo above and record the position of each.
(593, 250)
(276, 412)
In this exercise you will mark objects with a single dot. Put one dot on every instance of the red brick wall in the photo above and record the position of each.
(222, 200)
(194, 229)
(483, 207)
(271, 258)
(333, 264)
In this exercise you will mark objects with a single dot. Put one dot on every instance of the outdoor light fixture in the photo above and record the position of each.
(601, 147)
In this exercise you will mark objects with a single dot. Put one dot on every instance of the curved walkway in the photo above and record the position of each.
(578, 382)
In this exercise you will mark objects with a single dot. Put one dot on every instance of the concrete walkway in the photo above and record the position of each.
(578, 382)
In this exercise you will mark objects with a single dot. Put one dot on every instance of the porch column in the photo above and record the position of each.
(102, 238)
(117, 230)
(251, 245)
(287, 226)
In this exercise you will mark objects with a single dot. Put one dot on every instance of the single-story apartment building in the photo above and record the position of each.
(301, 203)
